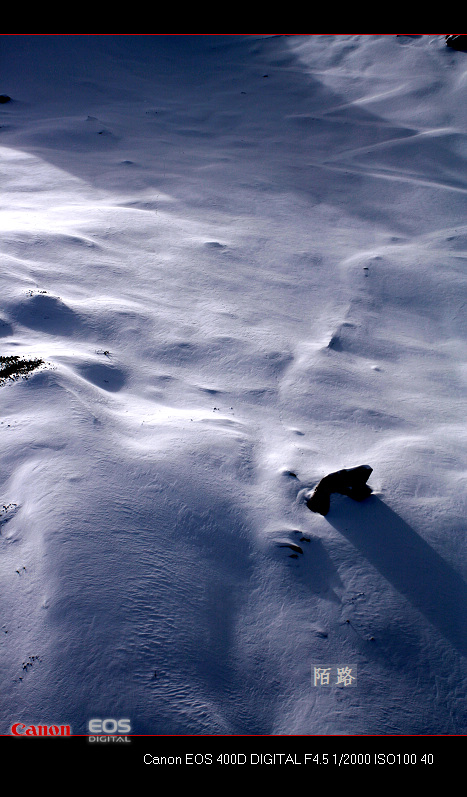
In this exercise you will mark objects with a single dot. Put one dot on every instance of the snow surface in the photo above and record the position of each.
(242, 259)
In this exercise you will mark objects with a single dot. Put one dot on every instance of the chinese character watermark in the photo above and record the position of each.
(344, 676)
(321, 676)
(333, 675)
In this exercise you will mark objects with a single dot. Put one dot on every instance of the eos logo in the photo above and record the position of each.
(109, 726)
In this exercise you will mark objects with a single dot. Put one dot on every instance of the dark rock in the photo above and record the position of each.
(351, 482)
(458, 41)
(290, 474)
(4, 98)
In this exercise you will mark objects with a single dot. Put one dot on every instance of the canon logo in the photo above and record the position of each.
(109, 726)
(20, 729)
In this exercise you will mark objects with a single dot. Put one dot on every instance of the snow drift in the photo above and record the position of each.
(241, 260)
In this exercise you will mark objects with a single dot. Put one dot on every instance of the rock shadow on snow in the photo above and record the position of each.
(408, 562)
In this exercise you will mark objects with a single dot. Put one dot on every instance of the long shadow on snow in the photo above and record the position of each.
(175, 90)
(411, 565)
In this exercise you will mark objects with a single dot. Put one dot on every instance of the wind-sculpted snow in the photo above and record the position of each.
(240, 262)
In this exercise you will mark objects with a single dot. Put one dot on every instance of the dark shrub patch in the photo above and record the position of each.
(15, 367)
